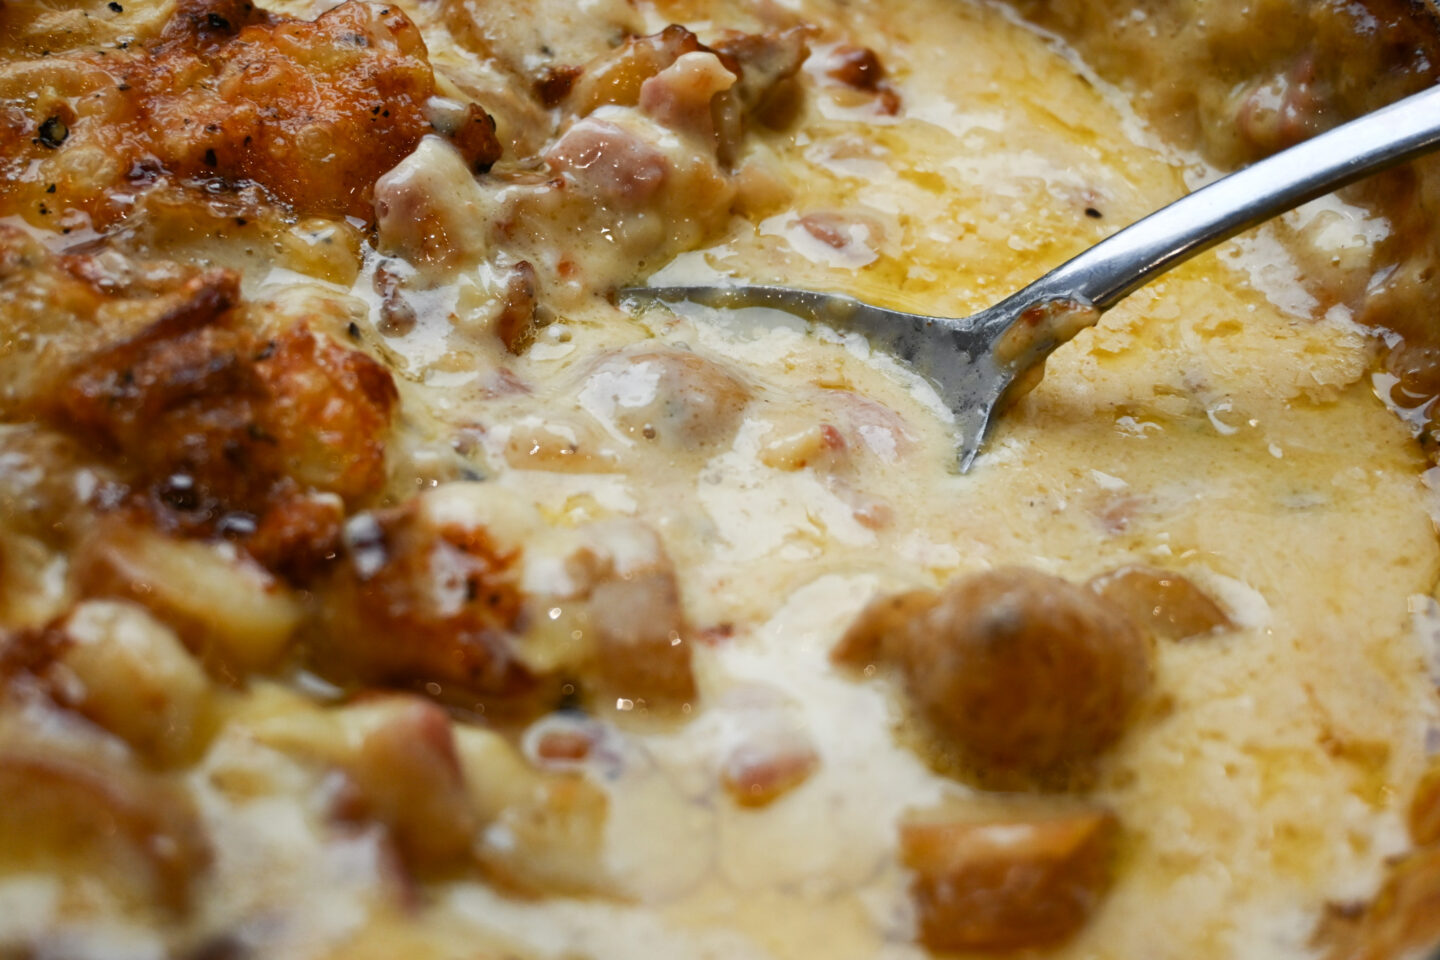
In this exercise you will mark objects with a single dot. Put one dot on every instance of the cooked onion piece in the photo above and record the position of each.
(89, 818)
(1167, 604)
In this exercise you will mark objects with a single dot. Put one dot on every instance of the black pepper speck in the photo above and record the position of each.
(53, 132)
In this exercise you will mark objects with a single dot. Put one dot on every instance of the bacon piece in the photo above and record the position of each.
(515, 324)
(611, 163)
(767, 61)
(1282, 111)
(759, 68)
(556, 83)
(314, 111)
(857, 74)
(760, 771)
(819, 445)
(474, 136)
(616, 78)
(685, 95)
(858, 67)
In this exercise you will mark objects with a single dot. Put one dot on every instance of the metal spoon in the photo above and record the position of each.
(976, 362)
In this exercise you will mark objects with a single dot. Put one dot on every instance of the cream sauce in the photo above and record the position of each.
(1215, 424)
(1218, 423)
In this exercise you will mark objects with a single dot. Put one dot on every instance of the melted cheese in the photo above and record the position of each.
(1218, 423)
(1213, 424)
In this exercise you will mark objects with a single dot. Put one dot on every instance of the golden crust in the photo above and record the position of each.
(413, 605)
(245, 417)
(226, 95)
(212, 418)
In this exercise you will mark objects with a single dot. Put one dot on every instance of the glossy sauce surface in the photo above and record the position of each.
(1220, 424)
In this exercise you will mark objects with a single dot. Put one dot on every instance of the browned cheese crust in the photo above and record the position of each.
(225, 95)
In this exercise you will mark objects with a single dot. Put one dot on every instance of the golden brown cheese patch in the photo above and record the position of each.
(313, 112)
(203, 403)
(416, 604)
(198, 395)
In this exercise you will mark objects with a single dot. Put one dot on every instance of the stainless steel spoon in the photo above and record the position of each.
(975, 362)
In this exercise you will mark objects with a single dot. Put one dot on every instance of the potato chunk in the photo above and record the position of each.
(397, 763)
(1023, 672)
(135, 678)
(642, 641)
(553, 841)
(408, 776)
(639, 627)
(1007, 884)
(231, 611)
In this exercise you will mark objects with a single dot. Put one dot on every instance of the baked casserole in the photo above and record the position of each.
(373, 584)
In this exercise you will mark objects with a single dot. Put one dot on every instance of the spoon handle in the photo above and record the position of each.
(1114, 268)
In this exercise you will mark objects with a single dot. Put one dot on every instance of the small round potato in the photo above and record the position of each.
(1021, 672)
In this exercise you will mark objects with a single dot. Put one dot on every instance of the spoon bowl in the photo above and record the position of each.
(980, 362)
